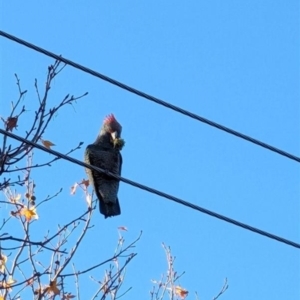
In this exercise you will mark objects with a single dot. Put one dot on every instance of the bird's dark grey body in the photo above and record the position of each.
(104, 155)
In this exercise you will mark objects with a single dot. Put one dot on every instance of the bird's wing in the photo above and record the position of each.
(88, 160)
(121, 161)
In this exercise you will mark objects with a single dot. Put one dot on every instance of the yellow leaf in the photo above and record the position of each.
(47, 144)
(15, 199)
(7, 284)
(11, 281)
(3, 260)
(181, 292)
(29, 213)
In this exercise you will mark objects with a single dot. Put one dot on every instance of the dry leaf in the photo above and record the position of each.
(85, 182)
(7, 284)
(29, 213)
(11, 123)
(47, 144)
(73, 188)
(123, 228)
(38, 291)
(3, 260)
(30, 281)
(67, 296)
(181, 292)
(16, 198)
(52, 288)
(88, 199)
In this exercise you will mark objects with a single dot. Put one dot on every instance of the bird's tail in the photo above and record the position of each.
(110, 209)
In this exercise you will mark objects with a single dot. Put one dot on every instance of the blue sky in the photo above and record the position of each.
(233, 62)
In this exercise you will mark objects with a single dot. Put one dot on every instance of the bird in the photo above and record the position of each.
(105, 154)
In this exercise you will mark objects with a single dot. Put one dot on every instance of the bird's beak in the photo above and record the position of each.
(115, 135)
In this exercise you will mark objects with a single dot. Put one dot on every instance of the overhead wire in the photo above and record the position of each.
(154, 191)
(149, 97)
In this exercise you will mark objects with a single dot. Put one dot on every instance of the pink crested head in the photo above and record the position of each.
(109, 119)
(110, 124)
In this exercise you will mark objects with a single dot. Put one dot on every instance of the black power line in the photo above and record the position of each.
(149, 97)
(153, 191)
